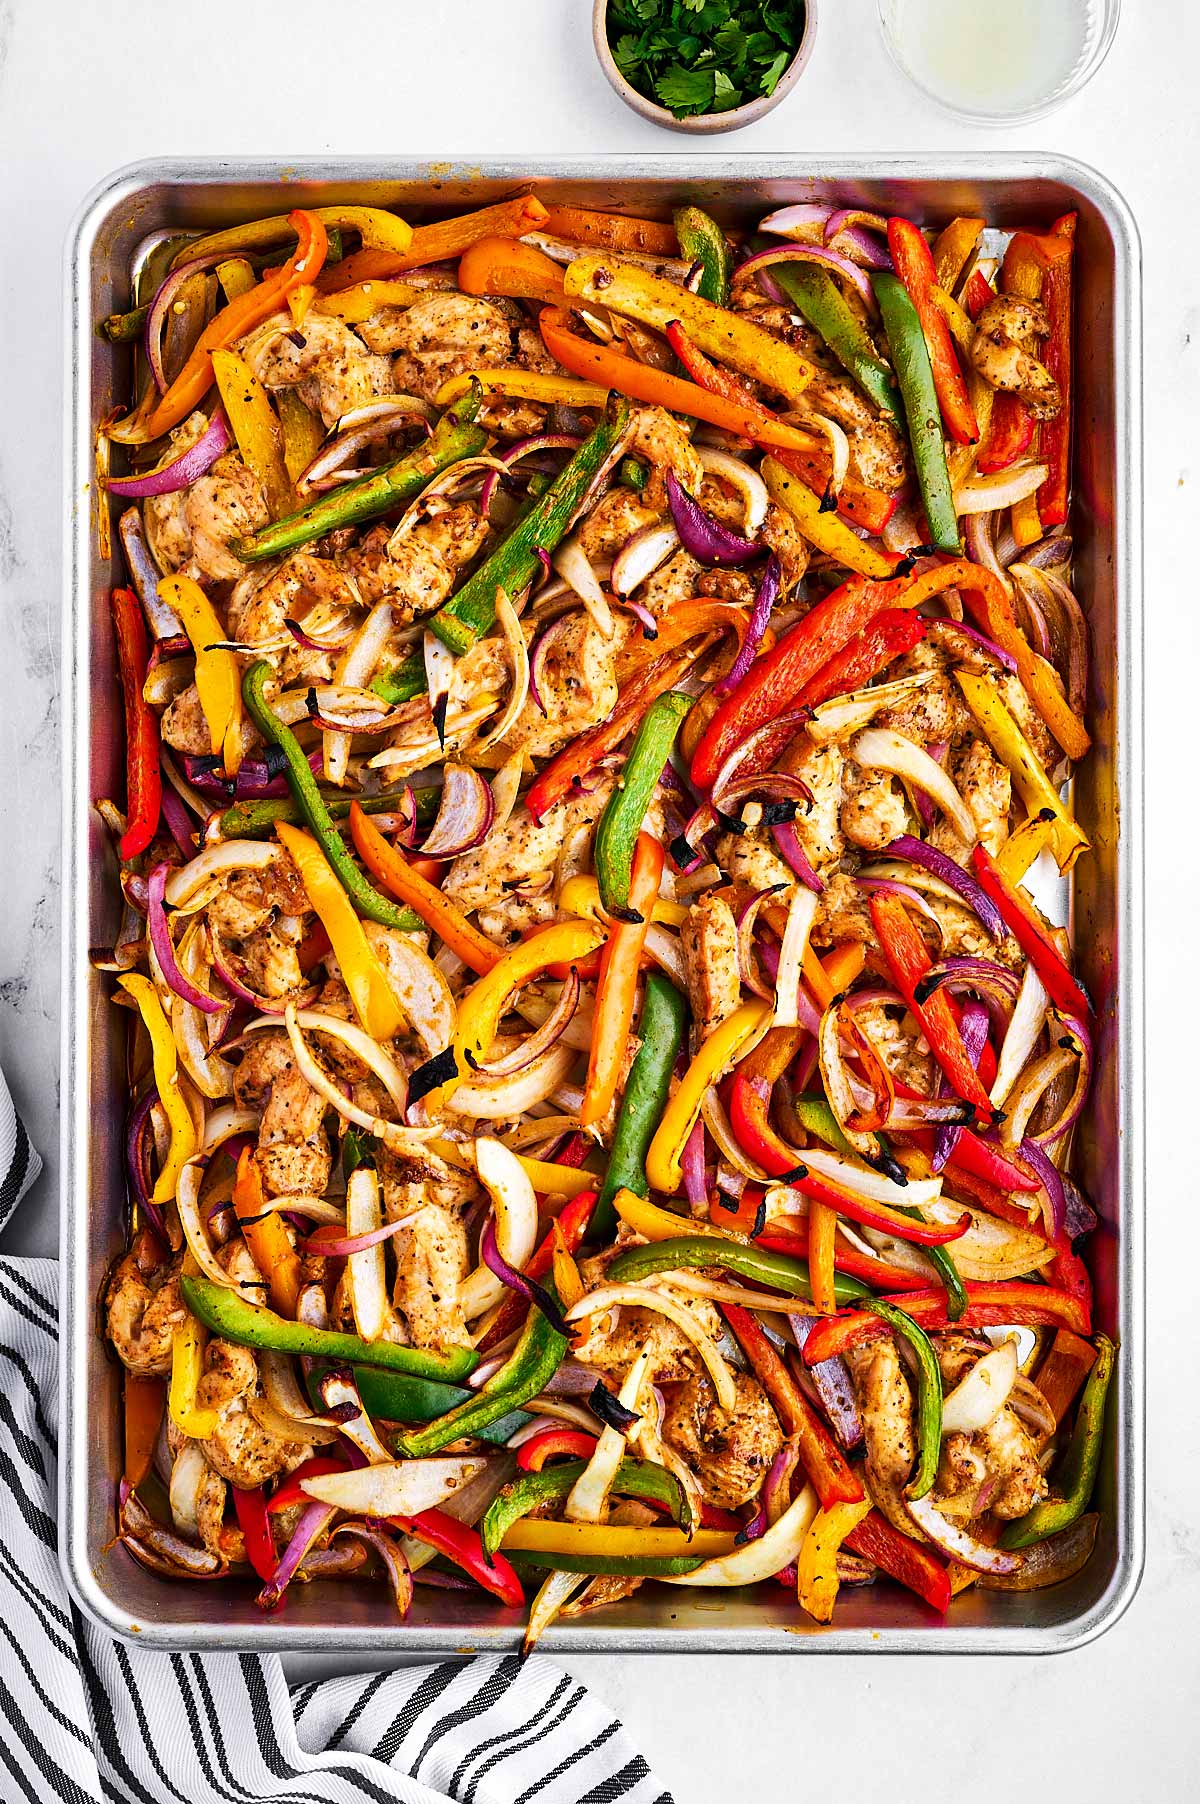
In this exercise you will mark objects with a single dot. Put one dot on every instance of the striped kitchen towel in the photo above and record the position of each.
(20, 1163)
(91, 1720)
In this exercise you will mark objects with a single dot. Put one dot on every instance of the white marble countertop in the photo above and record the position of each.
(84, 89)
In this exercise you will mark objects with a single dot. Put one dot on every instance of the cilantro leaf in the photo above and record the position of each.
(692, 6)
(680, 88)
(627, 54)
(699, 55)
(725, 95)
(774, 70)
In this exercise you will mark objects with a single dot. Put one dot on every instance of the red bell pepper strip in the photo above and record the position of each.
(793, 1241)
(826, 1465)
(908, 962)
(1031, 934)
(906, 1561)
(616, 989)
(913, 261)
(570, 1442)
(1061, 1374)
(988, 1305)
(143, 771)
(239, 317)
(977, 294)
(290, 1492)
(976, 1157)
(1009, 435)
(250, 1508)
(1056, 433)
(572, 1222)
(459, 1542)
(1068, 1273)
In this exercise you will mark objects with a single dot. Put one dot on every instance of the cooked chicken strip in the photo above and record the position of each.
(710, 954)
(730, 1452)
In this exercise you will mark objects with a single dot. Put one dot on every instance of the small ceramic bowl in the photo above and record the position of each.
(702, 123)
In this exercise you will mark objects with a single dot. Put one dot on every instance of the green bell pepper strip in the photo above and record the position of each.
(256, 820)
(226, 1313)
(702, 241)
(635, 1478)
(404, 682)
(453, 438)
(626, 808)
(914, 373)
(623, 1565)
(816, 1117)
(818, 299)
(661, 1029)
(365, 897)
(929, 1393)
(633, 474)
(1076, 1477)
(527, 1370)
(125, 328)
(514, 563)
(397, 1397)
(778, 1271)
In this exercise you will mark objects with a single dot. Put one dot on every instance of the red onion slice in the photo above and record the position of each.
(765, 597)
(164, 949)
(788, 842)
(705, 538)
(538, 652)
(182, 470)
(137, 1165)
(805, 219)
(313, 1523)
(160, 306)
(1047, 1173)
(831, 1380)
(845, 217)
(747, 962)
(225, 968)
(974, 1031)
(948, 871)
(811, 253)
(544, 1037)
(399, 1571)
(957, 1543)
(692, 1166)
(526, 1287)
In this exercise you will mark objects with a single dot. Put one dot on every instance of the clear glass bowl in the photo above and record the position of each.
(999, 62)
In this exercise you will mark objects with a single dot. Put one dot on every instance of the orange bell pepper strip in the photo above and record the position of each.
(1053, 495)
(829, 1472)
(914, 265)
(266, 1236)
(145, 1399)
(616, 991)
(239, 317)
(794, 1241)
(612, 231)
(441, 239)
(988, 1305)
(827, 977)
(908, 962)
(1061, 1374)
(952, 247)
(498, 265)
(822, 1235)
(1032, 935)
(658, 388)
(390, 867)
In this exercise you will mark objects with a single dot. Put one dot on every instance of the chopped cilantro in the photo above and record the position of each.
(699, 56)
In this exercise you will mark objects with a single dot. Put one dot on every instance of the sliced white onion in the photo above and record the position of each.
(464, 815)
(664, 948)
(956, 1542)
(642, 554)
(991, 1250)
(748, 483)
(515, 1205)
(846, 714)
(638, 1296)
(418, 985)
(982, 1394)
(506, 784)
(212, 1075)
(1024, 1029)
(587, 1499)
(224, 1123)
(549, 1031)
(355, 670)
(758, 1560)
(283, 1393)
(187, 1202)
(313, 1075)
(557, 1589)
(879, 748)
(219, 861)
(697, 1285)
(414, 755)
(518, 653)
(366, 1270)
(572, 563)
(286, 1428)
(802, 912)
(351, 1035)
(505, 1098)
(187, 1475)
(982, 494)
(873, 1184)
(399, 1488)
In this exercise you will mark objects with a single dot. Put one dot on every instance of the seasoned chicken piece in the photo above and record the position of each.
(874, 811)
(431, 1263)
(244, 1452)
(896, 1038)
(730, 1452)
(142, 1311)
(444, 335)
(255, 898)
(229, 1371)
(293, 1149)
(1015, 697)
(190, 530)
(324, 359)
(419, 571)
(726, 585)
(843, 918)
(962, 1472)
(612, 1346)
(710, 955)
(818, 828)
(261, 606)
(266, 1056)
(615, 518)
(886, 1406)
(658, 436)
(962, 932)
(936, 713)
(677, 580)
(509, 878)
(986, 787)
(1012, 1461)
(877, 455)
(211, 1494)
(413, 1178)
(789, 545)
(577, 684)
(269, 963)
(183, 725)
(750, 858)
(1002, 352)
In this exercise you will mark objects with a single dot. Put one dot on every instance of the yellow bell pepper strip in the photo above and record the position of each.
(655, 1223)
(266, 1236)
(303, 432)
(1024, 847)
(389, 865)
(480, 1009)
(549, 1179)
(581, 896)
(730, 1041)
(1025, 520)
(525, 385)
(255, 428)
(961, 329)
(822, 527)
(218, 681)
(733, 338)
(377, 229)
(953, 248)
(370, 991)
(435, 242)
(236, 276)
(616, 989)
(1014, 750)
(534, 1534)
(187, 1369)
(506, 266)
(565, 1272)
(353, 305)
(166, 1077)
(239, 317)
(816, 1563)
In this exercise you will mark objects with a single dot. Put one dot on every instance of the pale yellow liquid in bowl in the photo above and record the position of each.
(991, 56)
